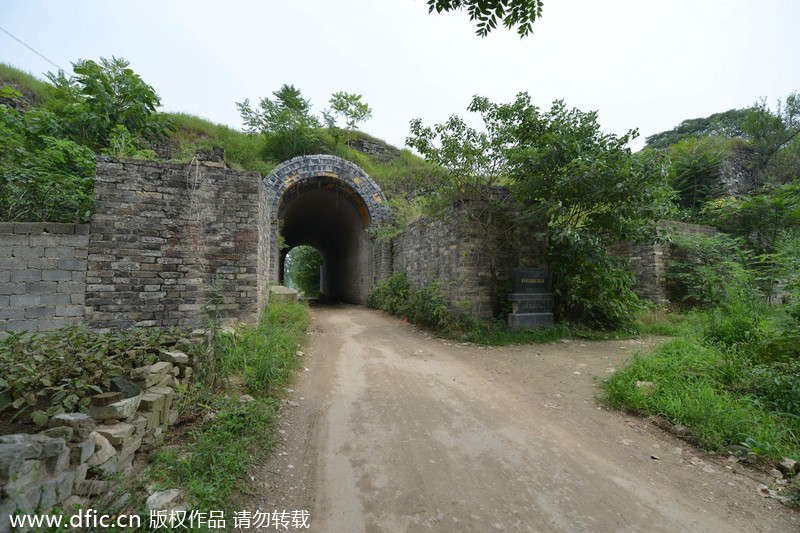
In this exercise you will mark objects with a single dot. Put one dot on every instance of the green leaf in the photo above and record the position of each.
(39, 418)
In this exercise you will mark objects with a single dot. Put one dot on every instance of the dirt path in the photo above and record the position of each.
(392, 431)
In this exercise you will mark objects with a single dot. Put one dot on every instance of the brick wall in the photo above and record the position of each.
(42, 275)
(649, 261)
(451, 250)
(168, 239)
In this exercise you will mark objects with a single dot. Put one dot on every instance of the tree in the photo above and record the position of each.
(103, 96)
(303, 268)
(728, 124)
(592, 192)
(287, 122)
(352, 109)
(519, 13)
(775, 135)
(42, 177)
(472, 163)
(695, 171)
(765, 221)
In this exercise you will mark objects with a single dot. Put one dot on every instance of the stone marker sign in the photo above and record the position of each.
(531, 300)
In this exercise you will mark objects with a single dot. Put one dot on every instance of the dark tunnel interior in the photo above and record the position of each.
(331, 217)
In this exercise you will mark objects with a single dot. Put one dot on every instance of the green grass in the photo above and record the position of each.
(215, 461)
(29, 85)
(497, 333)
(712, 390)
(265, 355)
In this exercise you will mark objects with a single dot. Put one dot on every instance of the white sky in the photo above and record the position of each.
(643, 64)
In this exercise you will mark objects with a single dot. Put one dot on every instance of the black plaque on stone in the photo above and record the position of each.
(530, 280)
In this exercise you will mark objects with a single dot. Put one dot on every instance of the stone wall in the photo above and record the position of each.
(167, 240)
(79, 455)
(42, 275)
(738, 173)
(451, 250)
(649, 262)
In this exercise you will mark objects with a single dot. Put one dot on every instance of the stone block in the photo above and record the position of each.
(48, 498)
(166, 499)
(109, 467)
(80, 474)
(72, 264)
(128, 388)
(27, 499)
(529, 320)
(282, 294)
(12, 461)
(24, 300)
(127, 450)
(31, 449)
(106, 398)
(62, 432)
(7, 508)
(152, 375)
(11, 313)
(138, 422)
(178, 358)
(117, 410)
(58, 463)
(64, 485)
(81, 424)
(91, 487)
(116, 434)
(50, 446)
(103, 451)
(81, 451)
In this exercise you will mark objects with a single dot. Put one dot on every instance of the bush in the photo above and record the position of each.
(592, 287)
(424, 306)
(427, 307)
(391, 295)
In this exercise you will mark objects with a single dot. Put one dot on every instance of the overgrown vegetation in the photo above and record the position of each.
(235, 433)
(302, 268)
(427, 307)
(53, 134)
(424, 305)
(733, 376)
(45, 374)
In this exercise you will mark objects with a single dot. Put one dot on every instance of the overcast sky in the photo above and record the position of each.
(644, 64)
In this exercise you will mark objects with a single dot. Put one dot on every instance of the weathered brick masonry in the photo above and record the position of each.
(649, 262)
(451, 250)
(168, 239)
(42, 275)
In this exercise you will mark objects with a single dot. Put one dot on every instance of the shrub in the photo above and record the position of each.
(592, 287)
(427, 307)
(391, 295)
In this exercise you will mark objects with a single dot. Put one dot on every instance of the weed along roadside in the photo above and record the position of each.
(138, 426)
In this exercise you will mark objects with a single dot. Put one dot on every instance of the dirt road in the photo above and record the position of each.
(390, 430)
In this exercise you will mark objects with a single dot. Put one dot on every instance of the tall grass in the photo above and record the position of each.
(28, 84)
(220, 451)
(266, 355)
(721, 391)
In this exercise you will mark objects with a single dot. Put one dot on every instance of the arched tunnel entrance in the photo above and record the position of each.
(329, 204)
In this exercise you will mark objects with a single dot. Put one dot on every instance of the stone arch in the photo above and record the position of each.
(328, 203)
(329, 169)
